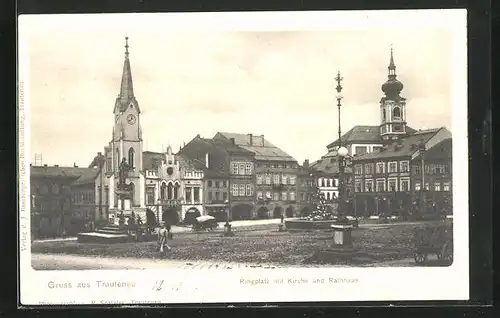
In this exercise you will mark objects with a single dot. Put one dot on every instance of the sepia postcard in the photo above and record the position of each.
(243, 157)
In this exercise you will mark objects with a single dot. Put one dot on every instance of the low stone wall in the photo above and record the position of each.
(308, 225)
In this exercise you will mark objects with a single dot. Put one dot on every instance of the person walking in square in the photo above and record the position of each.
(163, 239)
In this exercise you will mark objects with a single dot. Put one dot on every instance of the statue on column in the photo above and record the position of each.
(124, 169)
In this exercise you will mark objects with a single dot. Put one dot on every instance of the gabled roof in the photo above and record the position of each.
(407, 146)
(149, 158)
(328, 165)
(78, 175)
(442, 150)
(364, 134)
(196, 151)
(263, 149)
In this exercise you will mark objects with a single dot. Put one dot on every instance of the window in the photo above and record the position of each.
(446, 186)
(396, 113)
(224, 196)
(284, 180)
(151, 195)
(268, 195)
(284, 196)
(368, 185)
(188, 194)
(417, 170)
(393, 167)
(259, 195)
(392, 185)
(163, 191)
(330, 183)
(217, 195)
(234, 168)
(276, 179)
(248, 169)
(276, 196)
(210, 183)
(234, 190)
(268, 179)
(437, 186)
(381, 185)
(224, 184)
(242, 169)
(357, 186)
(170, 191)
(320, 182)
(131, 153)
(292, 196)
(358, 169)
(369, 168)
(242, 190)
(417, 186)
(259, 179)
(209, 193)
(377, 148)
(328, 196)
(360, 150)
(427, 186)
(249, 190)
(217, 184)
(108, 165)
(303, 196)
(404, 166)
(380, 167)
(405, 185)
(292, 180)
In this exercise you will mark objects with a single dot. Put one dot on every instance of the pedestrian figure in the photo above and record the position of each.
(282, 218)
(163, 239)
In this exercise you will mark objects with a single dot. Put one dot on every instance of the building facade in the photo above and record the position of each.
(274, 180)
(305, 190)
(385, 181)
(56, 200)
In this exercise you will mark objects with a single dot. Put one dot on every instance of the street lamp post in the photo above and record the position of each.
(341, 153)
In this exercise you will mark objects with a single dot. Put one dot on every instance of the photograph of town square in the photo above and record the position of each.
(377, 192)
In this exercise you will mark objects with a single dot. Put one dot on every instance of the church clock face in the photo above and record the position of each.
(131, 119)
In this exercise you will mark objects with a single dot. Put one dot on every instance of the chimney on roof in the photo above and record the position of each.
(262, 139)
(99, 153)
(45, 165)
(74, 165)
(306, 164)
(198, 136)
(250, 139)
(232, 141)
(206, 160)
(56, 166)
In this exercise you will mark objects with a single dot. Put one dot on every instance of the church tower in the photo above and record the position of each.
(127, 132)
(392, 106)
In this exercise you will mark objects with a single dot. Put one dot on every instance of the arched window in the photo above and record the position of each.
(396, 112)
(176, 191)
(328, 196)
(384, 117)
(131, 154)
(163, 191)
(170, 191)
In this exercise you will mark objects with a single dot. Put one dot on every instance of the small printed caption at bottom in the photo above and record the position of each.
(282, 281)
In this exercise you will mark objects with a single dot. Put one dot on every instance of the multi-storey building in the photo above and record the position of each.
(56, 199)
(305, 189)
(229, 167)
(275, 175)
(383, 180)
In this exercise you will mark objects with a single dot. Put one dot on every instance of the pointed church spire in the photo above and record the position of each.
(126, 88)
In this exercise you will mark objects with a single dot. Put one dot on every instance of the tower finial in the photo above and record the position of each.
(126, 46)
(392, 65)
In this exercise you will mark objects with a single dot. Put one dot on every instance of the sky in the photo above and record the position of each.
(277, 83)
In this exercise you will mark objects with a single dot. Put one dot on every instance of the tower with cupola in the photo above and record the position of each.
(392, 106)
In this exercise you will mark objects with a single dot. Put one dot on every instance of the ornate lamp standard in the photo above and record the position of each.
(342, 152)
